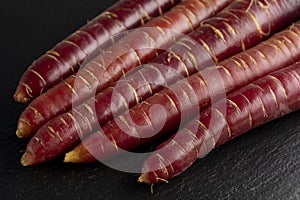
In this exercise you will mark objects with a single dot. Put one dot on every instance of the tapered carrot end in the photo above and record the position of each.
(24, 129)
(72, 157)
(20, 96)
(143, 179)
(19, 134)
(79, 155)
(24, 132)
(27, 159)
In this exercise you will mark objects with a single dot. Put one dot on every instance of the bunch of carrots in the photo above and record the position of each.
(191, 74)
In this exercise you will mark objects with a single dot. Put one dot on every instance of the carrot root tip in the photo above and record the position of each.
(142, 179)
(18, 97)
(71, 157)
(19, 134)
(27, 159)
(23, 132)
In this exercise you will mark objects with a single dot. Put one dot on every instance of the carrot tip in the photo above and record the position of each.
(23, 132)
(27, 159)
(72, 157)
(142, 179)
(19, 134)
(20, 98)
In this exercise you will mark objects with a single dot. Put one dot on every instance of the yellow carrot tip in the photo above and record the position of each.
(24, 132)
(20, 98)
(19, 134)
(142, 179)
(72, 157)
(27, 159)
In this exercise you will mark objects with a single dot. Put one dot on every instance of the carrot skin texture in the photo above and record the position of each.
(264, 100)
(209, 33)
(59, 98)
(151, 77)
(192, 94)
(176, 118)
(65, 57)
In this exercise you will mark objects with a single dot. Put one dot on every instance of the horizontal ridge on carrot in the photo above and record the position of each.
(266, 99)
(151, 77)
(184, 98)
(121, 57)
(65, 57)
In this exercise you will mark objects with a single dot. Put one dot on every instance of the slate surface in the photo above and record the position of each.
(262, 164)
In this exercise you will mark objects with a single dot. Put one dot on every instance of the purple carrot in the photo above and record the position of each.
(264, 100)
(158, 33)
(67, 127)
(65, 57)
(183, 99)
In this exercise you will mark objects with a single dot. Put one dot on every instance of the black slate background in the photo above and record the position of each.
(262, 164)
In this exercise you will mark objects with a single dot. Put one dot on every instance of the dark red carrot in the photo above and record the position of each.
(146, 81)
(129, 52)
(183, 99)
(65, 57)
(264, 100)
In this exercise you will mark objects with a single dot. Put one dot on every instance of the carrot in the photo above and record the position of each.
(182, 100)
(110, 66)
(264, 100)
(34, 148)
(65, 57)
(98, 110)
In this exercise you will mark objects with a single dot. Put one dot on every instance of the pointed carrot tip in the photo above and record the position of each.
(20, 97)
(141, 179)
(19, 134)
(24, 132)
(27, 159)
(72, 157)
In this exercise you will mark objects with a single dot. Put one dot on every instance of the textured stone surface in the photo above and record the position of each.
(262, 164)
